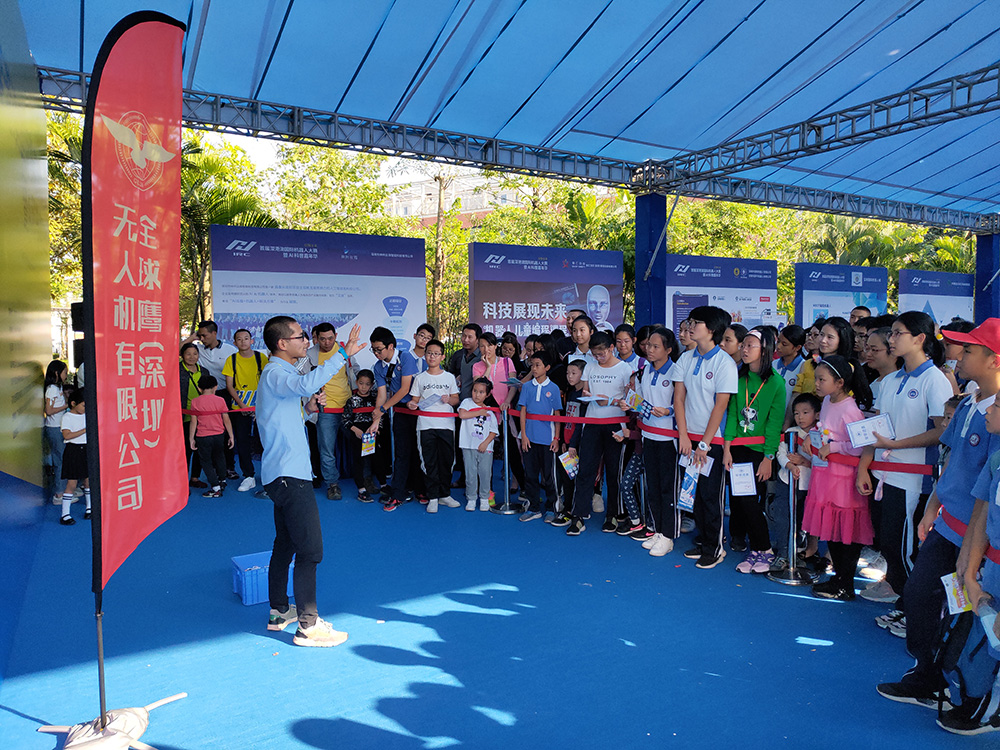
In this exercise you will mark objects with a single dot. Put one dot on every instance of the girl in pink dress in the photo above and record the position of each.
(835, 511)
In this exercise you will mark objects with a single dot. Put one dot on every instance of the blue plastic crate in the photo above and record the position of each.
(250, 577)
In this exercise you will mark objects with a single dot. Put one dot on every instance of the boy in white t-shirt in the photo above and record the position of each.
(607, 381)
(435, 390)
(476, 433)
(704, 379)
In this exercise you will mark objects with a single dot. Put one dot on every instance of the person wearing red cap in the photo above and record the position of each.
(948, 513)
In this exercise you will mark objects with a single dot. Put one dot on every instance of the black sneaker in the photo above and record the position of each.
(391, 505)
(903, 693)
(333, 492)
(693, 554)
(212, 493)
(833, 589)
(642, 533)
(562, 519)
(738, 546)
(954, 722)
(707, 561)
(363, 496)
(610, 525)
(627, 527)
(575, 528)
(230, 474)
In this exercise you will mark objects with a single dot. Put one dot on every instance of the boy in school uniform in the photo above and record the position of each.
(704, 379)
(539, 440)
(948, 514)
(435, 390)
(393, 381)
(242, 373)
(607, 381)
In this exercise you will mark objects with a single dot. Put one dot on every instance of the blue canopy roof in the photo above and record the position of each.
(629, 79)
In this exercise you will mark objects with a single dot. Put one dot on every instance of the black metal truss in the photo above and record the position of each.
(931, 104)
(65, 90)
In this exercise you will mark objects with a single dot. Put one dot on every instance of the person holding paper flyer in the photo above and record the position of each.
(566, 477)
(539, 440)
(948, 514)
(605, 383)
(757, 411)
(704, 380)
(914, 399)
(835, 511)
(659, 452)
(436, 391)
(355, 425)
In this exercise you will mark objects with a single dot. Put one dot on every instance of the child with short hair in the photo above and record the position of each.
(625, 340)
(74, 465)
(476, 434)
(436, 390)
(605, 382)
(704, 379)
(795, 467)
(573, 407)
(539, 440)
(209, 422)
(354, 423)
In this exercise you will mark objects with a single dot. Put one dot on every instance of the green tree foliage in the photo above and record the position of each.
(65, 146)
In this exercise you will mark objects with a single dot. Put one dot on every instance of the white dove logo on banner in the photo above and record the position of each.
(140, 153)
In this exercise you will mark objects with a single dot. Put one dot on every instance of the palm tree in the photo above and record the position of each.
(955, 253)
(846, 240)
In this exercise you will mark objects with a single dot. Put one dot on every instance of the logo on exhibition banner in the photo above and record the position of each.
(140, 153)
(132, 275)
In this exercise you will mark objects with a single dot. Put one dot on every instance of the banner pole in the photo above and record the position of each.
(100, 665)
(504, 508)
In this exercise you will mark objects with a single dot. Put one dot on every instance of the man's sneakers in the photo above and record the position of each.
(576, 527)
(432, 505)
(879, 591)
(214, 492)
(894, 622)
(692, 554)
(320, 635)
(449, 502)
(662, 546)
(530, 515)
(281, 620)
(954, 722)
(333, 492)
(247, 484)
(901, 692)
(707, 561)
(391, 505)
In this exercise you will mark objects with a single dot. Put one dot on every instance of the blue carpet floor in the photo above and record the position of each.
(466, 629)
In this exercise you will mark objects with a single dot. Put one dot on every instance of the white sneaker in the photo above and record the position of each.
(449, 502)
(662, 547)
(470, 505)
(648, 544)
(484, 505)
(247, 484)
(880, 591)
(432, 506)
(598, 503)
(320, 635)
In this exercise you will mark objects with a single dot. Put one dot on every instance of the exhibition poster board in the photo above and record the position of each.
(745, 288)
(528, 290)
(824, 290)
(941, 295)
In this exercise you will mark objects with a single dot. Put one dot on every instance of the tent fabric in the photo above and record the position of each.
(628, 79)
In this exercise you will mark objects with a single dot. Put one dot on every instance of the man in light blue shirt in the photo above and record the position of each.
(287, 476)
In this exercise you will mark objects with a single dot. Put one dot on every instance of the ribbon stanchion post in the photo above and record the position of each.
(792, 575)
(505, 508)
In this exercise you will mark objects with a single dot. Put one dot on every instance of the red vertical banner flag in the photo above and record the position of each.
(132, 156)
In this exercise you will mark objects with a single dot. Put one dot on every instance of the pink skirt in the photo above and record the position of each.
(835, 510)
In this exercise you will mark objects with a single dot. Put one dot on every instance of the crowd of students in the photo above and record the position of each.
(648, 434)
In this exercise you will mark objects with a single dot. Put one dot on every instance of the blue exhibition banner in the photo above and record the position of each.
(745, 288)
(528, 290)
(941, 295)
(316, 277)
(824, 290)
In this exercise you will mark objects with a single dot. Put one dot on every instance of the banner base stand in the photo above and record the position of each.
(124, 724)
(507, 509)
(792, 577)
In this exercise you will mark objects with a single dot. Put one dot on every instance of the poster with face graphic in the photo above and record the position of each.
(529, 290)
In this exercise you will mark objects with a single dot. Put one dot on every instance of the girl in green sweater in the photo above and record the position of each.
(756, 411)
